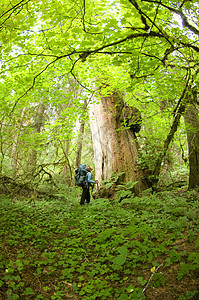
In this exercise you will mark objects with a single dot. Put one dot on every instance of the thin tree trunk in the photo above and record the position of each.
(114, 149)
(14, 152)
(178, 111)
(173, 129)
(39, 119)
(80, 137)
(67, 165)
(192, 126)
(79, 145)
(2, 153)
(67, 147)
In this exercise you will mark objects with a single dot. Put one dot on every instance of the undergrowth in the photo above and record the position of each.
(141, 248)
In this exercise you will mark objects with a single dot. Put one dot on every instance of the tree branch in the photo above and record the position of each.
(134, 3)
(33, 84)
(12, 10)
(85, 54)
(83, 20)
(178, 12)
(183, 92)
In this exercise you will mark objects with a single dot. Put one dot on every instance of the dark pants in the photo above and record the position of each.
(85, 195)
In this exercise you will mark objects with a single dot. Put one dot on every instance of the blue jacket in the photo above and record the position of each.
(88, 178)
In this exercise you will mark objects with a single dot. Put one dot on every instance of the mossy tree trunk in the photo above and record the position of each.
(115, 147)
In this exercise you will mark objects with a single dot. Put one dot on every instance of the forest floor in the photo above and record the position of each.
(141, 248)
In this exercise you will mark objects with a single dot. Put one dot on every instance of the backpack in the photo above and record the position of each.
(80, 175)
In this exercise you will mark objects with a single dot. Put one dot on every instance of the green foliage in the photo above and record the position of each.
(103, 250)
(54, 58)
(121, 259)
(188, 295)
(125, 191)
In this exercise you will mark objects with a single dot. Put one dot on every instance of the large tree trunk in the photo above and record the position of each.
(115, 147)
(192, 126)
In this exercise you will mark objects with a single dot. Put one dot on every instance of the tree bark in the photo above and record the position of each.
(79, 145)
(189, 110)
(67, 168)
(14, 153)
(80, 137)
(192, 125)
(115, 147)
(38, 124)
(170, 136)
(2, 152)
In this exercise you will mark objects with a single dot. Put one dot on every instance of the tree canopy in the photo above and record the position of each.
(43, 40)
(52, 50)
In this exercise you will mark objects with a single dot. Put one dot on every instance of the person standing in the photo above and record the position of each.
(86, 187)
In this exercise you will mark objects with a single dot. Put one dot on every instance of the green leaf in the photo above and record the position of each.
(119, 260)
(108, 185)
(28, 291)
(141, 281)
(123, 296)
(123, 250)
(105, 234)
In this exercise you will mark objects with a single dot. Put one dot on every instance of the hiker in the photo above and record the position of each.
(86, 187)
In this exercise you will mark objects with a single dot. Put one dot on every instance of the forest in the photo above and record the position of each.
(112, 84)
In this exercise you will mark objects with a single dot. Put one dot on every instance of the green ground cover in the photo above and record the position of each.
(141, 248)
